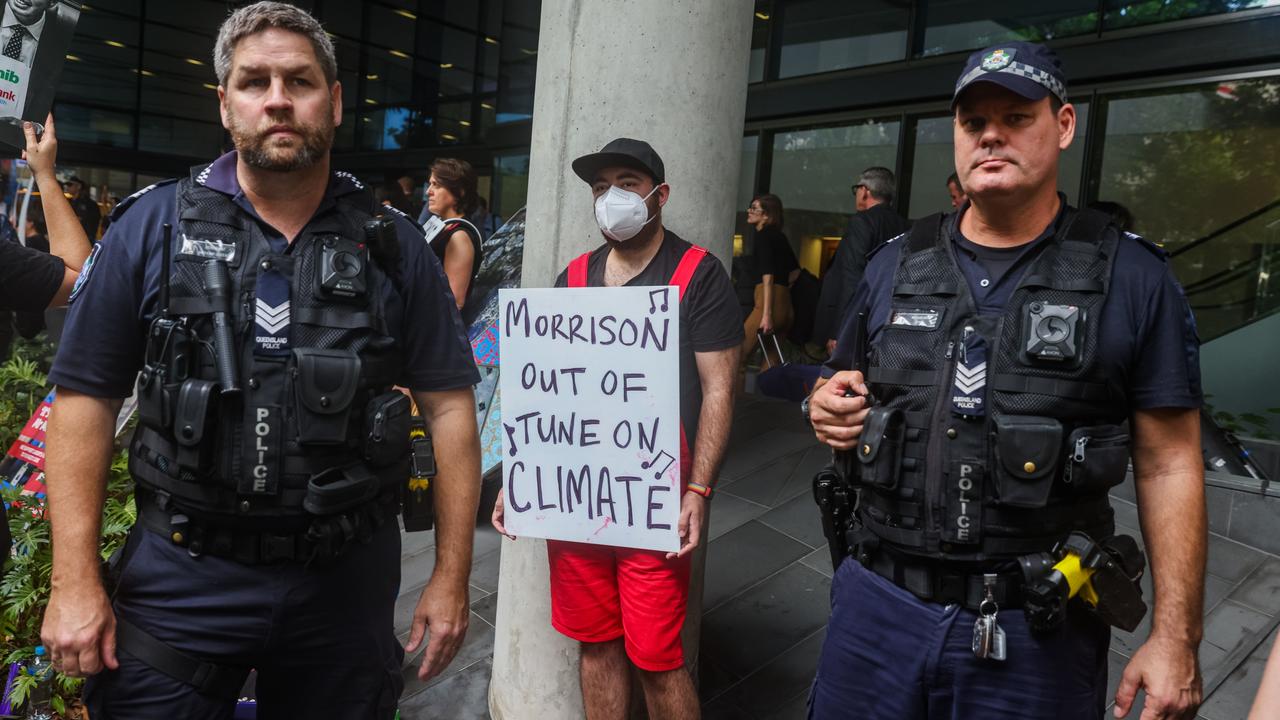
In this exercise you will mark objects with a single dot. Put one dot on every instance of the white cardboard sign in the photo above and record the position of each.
(591, 414)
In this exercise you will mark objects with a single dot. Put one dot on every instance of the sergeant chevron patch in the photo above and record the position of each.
(971, 376)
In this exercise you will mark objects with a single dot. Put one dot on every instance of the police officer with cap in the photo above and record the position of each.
(1018, 353)
(267, 313)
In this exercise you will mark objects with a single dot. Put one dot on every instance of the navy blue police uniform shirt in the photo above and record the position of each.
(117, 295)
(1147, 338)
(710, 319)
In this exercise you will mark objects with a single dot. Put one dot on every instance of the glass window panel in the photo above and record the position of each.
(394, 128)
(189, 52)
(394, 29)
(94, 125)
(1120, 13)
(344, 136)
(198, 15)
(123, 7)
(1200, 162)
(168, 94)
(759, 40)
(453, 123)
(819, 35)
(511, 183)
(98, 73)
(954, 25)
(1071, 162)
(812, 172)
(933, 163)
(342, 17)
(388, 79)
(515, 92)
(179, 137)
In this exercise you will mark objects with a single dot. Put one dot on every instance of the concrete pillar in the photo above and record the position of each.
(673, 73)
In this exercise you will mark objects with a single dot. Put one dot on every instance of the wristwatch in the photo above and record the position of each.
(804, 410)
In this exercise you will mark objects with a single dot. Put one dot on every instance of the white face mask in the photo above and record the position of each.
(622, 214)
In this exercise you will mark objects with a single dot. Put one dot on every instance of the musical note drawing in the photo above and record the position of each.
(650, 463)
(653, 305)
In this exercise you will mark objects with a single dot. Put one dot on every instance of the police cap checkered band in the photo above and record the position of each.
(1028, 69)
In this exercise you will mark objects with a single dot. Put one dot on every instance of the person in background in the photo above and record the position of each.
(955, 191)
(85, 208)
(776, 268)
(487, 222)
(875, 222)
(451, 196)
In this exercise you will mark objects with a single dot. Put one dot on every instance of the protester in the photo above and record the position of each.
(270, 447)
(451, 196)
(873, 224)
(31, 280)
(621, 603)
(86, 209)
(776, 268)
(412, 200)
(487, 222)
(1021, 352)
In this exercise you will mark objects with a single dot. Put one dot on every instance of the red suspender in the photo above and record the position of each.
(684, 271)
(680, 278)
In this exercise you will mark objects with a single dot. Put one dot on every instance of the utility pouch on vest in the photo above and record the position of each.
(155, 401)
(324, 384)
(880, 448)
(387, 420)
(339, 489)
(195, 407)
(1027, 453)
(1097, 458)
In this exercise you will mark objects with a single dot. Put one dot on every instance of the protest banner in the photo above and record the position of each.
(34, 38)
(591, 415)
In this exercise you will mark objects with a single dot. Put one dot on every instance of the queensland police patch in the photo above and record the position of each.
(83, 277)
(997, 59)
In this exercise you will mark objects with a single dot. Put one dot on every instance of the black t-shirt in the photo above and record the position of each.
(774, 255)
(28, 278)
(709, 316)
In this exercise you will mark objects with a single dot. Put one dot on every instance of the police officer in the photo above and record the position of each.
(270, 334)
(1021, 351)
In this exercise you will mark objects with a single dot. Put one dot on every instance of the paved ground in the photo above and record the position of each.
(767, 586)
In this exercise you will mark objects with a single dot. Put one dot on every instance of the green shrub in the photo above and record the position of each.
(24, 586)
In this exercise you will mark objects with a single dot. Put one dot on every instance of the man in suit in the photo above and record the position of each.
(23, 24)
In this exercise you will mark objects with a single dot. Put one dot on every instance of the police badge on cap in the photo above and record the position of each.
(1028, 69)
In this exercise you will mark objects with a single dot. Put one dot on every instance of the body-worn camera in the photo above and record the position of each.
(1052, 332)
(342, 268)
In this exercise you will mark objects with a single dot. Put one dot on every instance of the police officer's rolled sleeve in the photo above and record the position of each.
(28, 278)
(1166, 368)
(104, 338)
(437, 355)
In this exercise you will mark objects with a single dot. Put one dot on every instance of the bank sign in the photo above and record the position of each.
(13, 87)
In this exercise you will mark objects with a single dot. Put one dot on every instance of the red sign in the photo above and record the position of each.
(29, 447)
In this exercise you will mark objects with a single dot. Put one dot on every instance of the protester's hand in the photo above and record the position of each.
(837, 420)
(766, 325)
(499, 514)
(79, 630)
(41, 154)
(1167, 669)
(831, 347)
(443, 609)
(693, 515)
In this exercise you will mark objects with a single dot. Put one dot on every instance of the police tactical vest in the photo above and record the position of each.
(315, 427)
(993, 436)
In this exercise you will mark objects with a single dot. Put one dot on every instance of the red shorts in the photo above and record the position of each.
(600, 593)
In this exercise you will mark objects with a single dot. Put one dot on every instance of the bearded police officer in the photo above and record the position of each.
(271, 314)
(1020, 352)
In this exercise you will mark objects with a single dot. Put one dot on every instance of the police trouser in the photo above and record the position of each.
(890, 656)
(320, 636)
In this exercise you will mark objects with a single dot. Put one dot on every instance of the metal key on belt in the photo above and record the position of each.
(988, 636)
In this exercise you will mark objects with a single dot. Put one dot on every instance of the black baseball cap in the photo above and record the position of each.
(1031, 70)
(623, 152)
